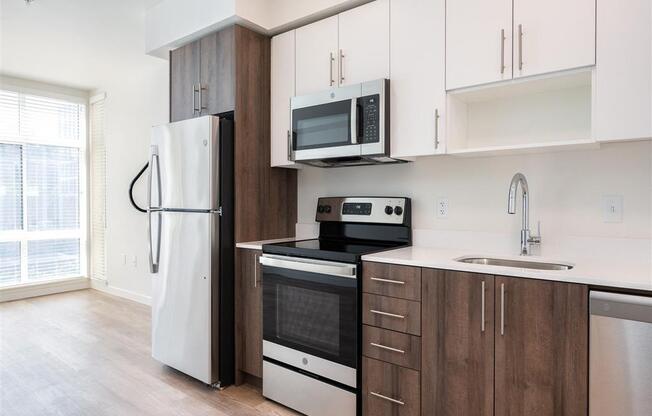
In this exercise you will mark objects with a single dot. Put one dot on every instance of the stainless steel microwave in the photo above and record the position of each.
(343, 126)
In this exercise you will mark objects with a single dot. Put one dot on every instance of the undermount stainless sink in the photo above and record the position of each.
(521, 264)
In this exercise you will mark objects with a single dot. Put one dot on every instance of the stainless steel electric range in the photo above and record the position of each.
(311, 303)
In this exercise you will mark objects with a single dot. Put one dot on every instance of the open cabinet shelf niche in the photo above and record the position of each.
(548, 113)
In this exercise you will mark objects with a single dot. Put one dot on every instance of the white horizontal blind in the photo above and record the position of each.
(42, 152)
(98, 189)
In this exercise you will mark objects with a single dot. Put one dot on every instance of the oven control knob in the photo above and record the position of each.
(389, 210)
(398, 210)
(320, 209)
(327, 209)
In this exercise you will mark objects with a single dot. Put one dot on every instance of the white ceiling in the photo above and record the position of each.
(77, 43)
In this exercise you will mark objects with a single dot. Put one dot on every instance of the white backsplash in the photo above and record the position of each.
(566, 190)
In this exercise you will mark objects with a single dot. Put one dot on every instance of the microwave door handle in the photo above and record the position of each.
(354, 121)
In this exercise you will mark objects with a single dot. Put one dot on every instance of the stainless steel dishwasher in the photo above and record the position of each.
(620, 371)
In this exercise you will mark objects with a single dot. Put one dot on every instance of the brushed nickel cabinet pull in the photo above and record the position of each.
(392, 315)
(201, 98)
(255, 270)
(396, 282)
(341, 66)
(194, 101)
(482, 324)
(520, 47)
(385, 347)
(502, 309)
(436, 128)
(389, 399)
(330, 68)
(502, 51)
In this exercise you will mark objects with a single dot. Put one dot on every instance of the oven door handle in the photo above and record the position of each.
(311, 266)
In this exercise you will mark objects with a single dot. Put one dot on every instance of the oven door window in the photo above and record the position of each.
(312, 313)
(324, 125)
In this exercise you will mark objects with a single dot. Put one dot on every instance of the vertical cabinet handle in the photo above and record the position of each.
(483, 307)
(520, 47)
(502, 51)
(201, 106)
(331, 80)
(341, 66)
(194, 101)
(436, 128)
(502, 309)
(255, 270)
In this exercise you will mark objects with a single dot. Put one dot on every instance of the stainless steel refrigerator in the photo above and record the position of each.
(192, 247)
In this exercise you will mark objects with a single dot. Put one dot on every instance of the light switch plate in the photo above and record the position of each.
(612, 208)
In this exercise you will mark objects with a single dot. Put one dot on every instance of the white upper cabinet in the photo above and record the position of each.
(417, 87)
(623, 75)
(282, 89)
(316, 56)
(484, 44)
(364, 43)
(478, 42)
(553, 35)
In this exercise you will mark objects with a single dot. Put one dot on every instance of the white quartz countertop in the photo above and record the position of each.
(600, 272)
(258, 245)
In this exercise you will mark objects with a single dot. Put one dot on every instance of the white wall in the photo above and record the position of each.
(194, 18)
(566, 191)
(97, 45)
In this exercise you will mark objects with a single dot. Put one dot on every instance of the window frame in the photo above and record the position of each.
(23, 236)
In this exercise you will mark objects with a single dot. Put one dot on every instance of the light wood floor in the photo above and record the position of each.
(88, 353)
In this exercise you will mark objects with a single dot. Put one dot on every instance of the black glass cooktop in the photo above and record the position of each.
(345, 250)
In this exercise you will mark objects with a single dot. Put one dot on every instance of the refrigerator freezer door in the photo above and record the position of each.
(181, 293)
(184, 165)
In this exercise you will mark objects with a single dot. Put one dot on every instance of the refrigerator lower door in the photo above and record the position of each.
(182, 293)
(184, 158)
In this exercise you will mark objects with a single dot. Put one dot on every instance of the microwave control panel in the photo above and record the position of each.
(370, 113)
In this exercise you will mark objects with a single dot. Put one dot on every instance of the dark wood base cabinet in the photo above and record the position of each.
(503, 346)
(389, 390)
(249, 312)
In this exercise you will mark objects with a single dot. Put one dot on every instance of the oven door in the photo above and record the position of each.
(325, 125)
(310, 306)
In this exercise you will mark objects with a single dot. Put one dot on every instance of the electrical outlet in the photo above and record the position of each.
(134, 261)
(442, 207)
(612, 208)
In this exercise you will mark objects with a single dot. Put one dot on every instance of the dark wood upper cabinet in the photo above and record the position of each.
(202, 76)
(217, 72)
(184, 81)
(249, 325)
(457, 360)
(541, 348)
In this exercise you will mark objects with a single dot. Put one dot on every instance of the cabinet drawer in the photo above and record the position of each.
(389, 390)
(392, 280)
(391, 313)
(391, 346)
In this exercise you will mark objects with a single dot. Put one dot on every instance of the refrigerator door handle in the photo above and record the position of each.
(154, 156)
(154, 257)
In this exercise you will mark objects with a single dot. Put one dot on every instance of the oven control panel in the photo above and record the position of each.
(383, 210)
(370, 112)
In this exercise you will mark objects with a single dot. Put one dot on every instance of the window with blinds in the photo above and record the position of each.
(42, 177)
(98, 188)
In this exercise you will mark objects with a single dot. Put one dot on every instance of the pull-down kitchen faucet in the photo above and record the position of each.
(526, 239)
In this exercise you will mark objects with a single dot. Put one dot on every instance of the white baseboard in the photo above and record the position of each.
(103, 286)
(31, 290)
